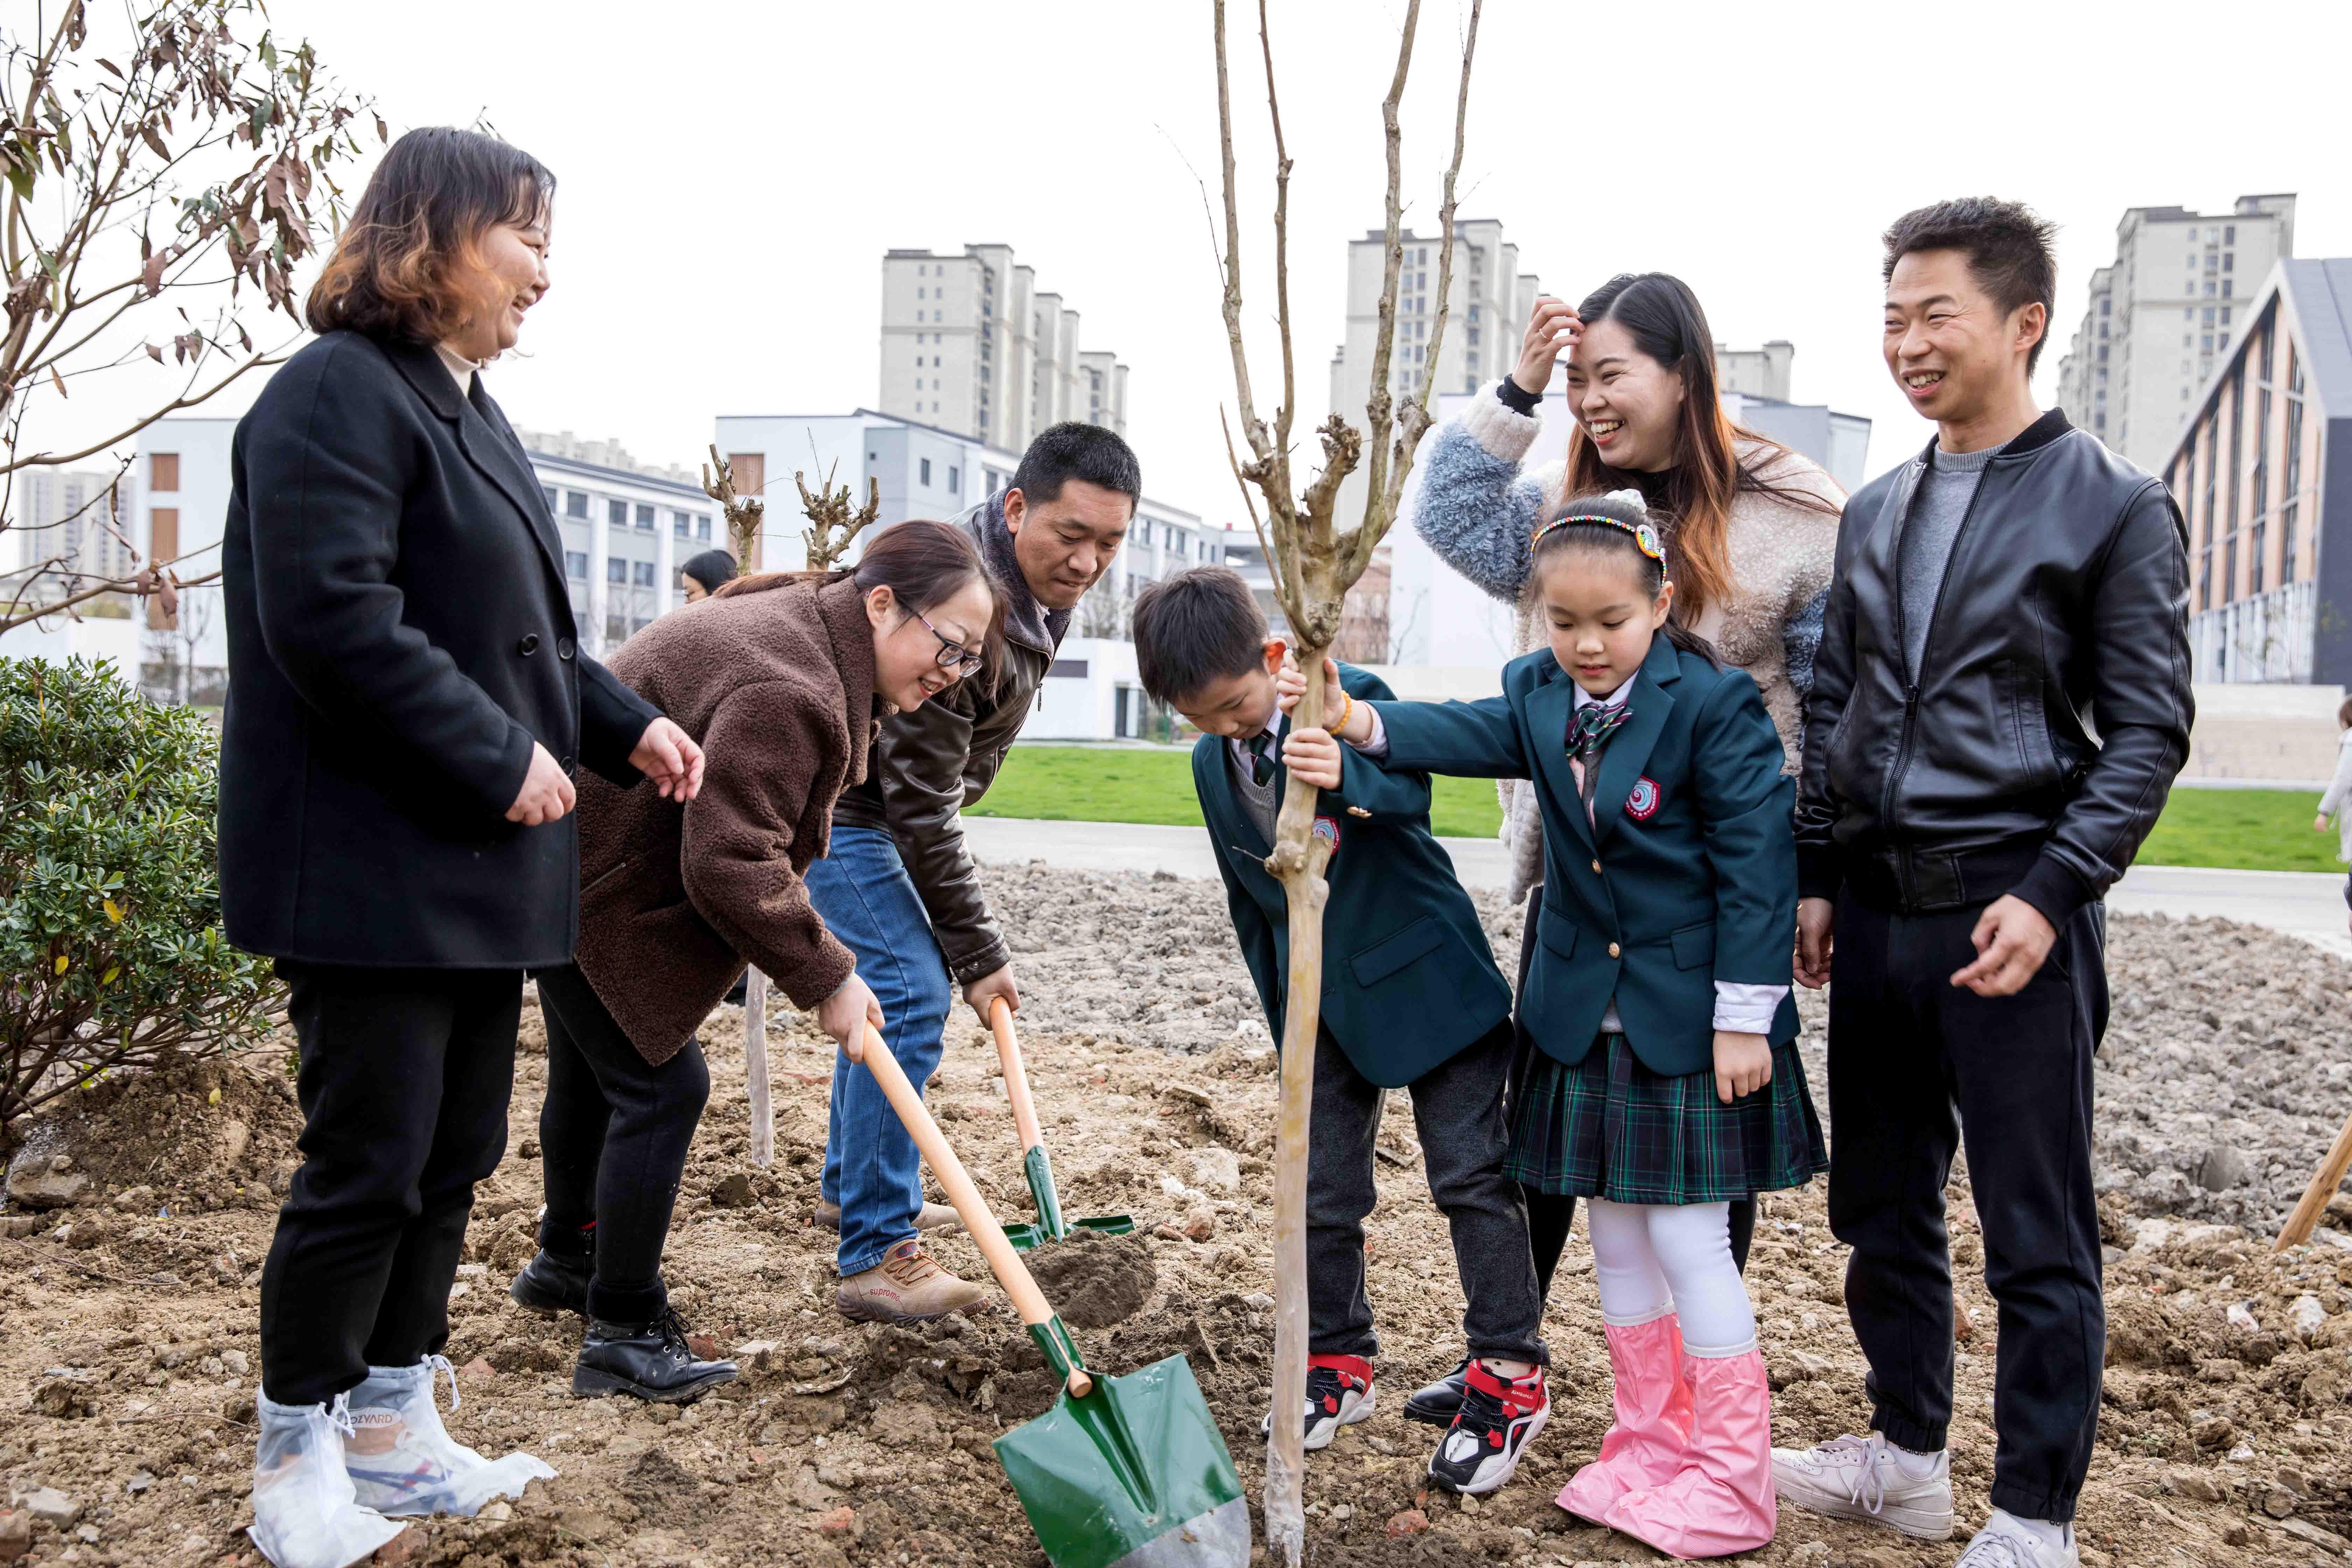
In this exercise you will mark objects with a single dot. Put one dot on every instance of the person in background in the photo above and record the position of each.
(1749, 528)
(1413, 1000)
(897, 886)
(1958, 829)
(784, 675)
(408, 708)
(704, 574)
(2332, 803)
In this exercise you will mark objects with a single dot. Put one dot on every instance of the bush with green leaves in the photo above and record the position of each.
(110, 945)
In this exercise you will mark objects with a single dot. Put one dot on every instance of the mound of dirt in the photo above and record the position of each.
(127, 1369)
(1095, 1281)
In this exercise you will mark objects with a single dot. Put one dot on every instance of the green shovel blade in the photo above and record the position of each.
(1051, 1226)
(1136, 1475)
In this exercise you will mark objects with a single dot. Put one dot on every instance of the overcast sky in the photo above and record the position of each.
(730, 173)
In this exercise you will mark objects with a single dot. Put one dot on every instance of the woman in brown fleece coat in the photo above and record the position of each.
(782, 678)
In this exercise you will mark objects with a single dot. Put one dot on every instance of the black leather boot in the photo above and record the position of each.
(555, 1282)
(647, 1360)
(1439, 1402)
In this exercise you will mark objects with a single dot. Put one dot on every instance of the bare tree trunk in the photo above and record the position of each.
(755, 1067)
(1314, 566)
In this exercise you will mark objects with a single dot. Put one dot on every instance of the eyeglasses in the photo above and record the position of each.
(953, 655)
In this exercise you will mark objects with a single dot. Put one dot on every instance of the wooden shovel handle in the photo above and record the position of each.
(1016, 1076)
(1003, 1261)
(2323, 1183)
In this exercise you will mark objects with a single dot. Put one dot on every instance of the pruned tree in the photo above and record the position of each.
(159, 194)
(1314, 562)
(743, 513)
(832, 524)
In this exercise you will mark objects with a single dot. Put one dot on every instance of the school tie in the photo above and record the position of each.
(1261, 751)
(1592, 726)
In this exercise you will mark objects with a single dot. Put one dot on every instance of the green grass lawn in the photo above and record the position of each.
(1107, 783)
(2247, 829)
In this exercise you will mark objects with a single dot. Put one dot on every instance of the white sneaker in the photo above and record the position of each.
(401, 1460)
(2003, 1542)
(1861, 1477)
(305, 1514)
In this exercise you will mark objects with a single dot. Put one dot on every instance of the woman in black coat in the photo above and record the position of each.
(407, 705)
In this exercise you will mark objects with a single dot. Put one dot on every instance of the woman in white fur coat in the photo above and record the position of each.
(1751, 533)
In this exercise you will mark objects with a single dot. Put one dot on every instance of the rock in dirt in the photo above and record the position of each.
(46, 1181)
(16, 1533)
(1213, 1169)
(2221, 1169)
(1094, 1280)
(733, 1192)
(47, 1504)
(1407, 1521)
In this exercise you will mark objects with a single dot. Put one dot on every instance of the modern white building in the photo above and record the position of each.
(624, 534)
(68, 530)
(970, 345)
(2163, 314)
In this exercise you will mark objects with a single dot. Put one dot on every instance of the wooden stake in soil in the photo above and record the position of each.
(2323, 1183)
(1313, 565)
(755, 1067)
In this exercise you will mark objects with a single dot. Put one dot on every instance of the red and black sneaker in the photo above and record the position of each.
(1339, 1393)
(1499, 1418)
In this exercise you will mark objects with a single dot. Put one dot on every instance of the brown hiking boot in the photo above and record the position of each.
(934, 1216)
(905, 1287)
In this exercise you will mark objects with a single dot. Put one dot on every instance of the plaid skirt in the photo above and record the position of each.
(1611, 1128)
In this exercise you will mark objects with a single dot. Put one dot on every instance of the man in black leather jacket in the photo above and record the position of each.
(1996, 598)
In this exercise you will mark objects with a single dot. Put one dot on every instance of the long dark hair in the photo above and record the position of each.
(405, 265)
(1619, 540)
(1695, 494)
(714, 569)
(923, 563)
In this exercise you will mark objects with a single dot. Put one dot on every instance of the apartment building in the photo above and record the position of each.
(2263, 471)
(2163, 315)
(971, 344)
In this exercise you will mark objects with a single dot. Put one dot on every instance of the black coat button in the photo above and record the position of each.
(568, 764)
(563, 647)
(528, 646)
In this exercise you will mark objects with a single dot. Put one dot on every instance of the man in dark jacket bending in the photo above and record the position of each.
(897, 884)
(1995, 598)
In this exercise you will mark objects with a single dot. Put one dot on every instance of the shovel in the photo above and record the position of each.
(1050, 1226)
(1122, 1472)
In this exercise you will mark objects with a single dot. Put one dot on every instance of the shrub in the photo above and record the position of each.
(111, 953)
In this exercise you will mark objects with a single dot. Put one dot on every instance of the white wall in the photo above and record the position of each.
(1071, 707)
(58, 638)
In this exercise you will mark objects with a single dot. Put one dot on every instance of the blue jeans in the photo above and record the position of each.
(872, 1168)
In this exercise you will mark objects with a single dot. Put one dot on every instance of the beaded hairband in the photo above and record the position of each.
(1646, 534)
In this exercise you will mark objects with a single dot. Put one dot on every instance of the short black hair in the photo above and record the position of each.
(1197, 626)
(2007, 245)
(1072, 450)
(714, 569)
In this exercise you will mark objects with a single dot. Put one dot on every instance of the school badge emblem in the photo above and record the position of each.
(1642, 803)
(1327, 829)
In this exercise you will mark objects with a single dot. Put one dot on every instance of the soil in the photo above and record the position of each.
(128, 1355)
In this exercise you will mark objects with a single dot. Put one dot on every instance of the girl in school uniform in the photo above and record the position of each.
(1667, 1083)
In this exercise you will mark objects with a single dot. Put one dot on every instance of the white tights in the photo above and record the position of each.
(1654, 1259)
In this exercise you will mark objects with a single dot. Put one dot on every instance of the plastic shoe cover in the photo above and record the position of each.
(402, 1461)
(305, 1511)
(1722, 1502)
(1645, 1443)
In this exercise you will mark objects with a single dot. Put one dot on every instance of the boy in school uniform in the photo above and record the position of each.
(1411, 999)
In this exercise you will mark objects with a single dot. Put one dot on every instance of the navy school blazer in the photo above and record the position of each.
(1408, 977)
(1686, 875)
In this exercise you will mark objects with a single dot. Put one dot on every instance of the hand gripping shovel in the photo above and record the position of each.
(1050, 1226)
(1122, 1472)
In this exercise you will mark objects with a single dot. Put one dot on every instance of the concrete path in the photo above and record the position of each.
(2306, 904)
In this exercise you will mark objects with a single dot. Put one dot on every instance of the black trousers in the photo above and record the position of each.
(406, 1074)
(1457, 1108)
(1551, 1216)
(612, 1136)
(1919, 1068)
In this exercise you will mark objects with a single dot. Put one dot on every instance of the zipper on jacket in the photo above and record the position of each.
(1912, 683)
